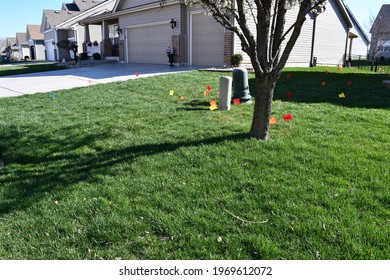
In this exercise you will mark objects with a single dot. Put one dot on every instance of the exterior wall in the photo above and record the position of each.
(359, 46)
(331, 36)
(128, 4)
(152, 16)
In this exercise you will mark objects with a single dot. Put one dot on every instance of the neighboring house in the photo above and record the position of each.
(380, 34)
(59, 25)
(22, 44)
(11, 50)
(35, 41)
(143, 29)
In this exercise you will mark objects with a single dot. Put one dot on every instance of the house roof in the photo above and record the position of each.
(34, 32)
(21, 38)
(102, 8)
(54, 18)
(382, 20)
(84, 5)
(11, 41)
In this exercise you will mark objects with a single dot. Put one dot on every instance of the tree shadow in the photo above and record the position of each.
(361, 90)
(28, 177)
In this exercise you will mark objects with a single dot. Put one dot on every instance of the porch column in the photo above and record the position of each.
(86, 38)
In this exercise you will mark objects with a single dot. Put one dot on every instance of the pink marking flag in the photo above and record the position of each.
(323, 84)
(136, 74)
(237, 101)
(287, 117)
(349, 83)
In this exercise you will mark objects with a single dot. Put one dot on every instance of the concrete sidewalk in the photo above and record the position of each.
(80, 77)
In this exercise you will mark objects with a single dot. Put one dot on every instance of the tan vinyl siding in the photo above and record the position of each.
(331, 37)
(152, 16)
(300, 55)
(128, 4)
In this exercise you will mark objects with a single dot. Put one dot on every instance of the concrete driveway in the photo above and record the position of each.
(80, 77)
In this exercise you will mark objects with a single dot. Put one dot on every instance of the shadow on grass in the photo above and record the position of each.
(21, 68)
(361, 90)
(28, 176)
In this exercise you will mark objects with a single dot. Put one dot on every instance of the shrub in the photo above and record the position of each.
(236, 60)
(97, 56)
(83, 56)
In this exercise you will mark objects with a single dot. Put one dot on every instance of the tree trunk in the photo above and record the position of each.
(265, 86)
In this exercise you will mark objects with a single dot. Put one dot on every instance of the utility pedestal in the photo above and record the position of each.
(225, 93)
(241, 85)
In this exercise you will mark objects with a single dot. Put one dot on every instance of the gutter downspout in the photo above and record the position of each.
(313, 40)
(346, 48)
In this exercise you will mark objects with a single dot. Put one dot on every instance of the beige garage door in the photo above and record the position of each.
(148, 44)
(207, 41)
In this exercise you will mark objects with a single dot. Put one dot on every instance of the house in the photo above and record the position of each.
(143, 29)
(35, 41)
(380, 34)
(22, 44)
(59, 25)
(11, 49)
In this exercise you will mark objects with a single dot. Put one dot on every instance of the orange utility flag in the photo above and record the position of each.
(208, 88)
(323, 84)
(287, 117)
(205, 93)
(213, 107)
(327, 72)
(342, 95)
(182, 98)
(90, 82)
(213, 103)
(172, 92)
(237, 101)
(340, 69)
(289, 95)
(273, 120)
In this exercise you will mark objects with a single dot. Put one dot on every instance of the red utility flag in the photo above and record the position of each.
(323, 84)
(289, 95)
(208, 88)
(237, 101)
(287, 117)
(136, 74)
(289, 76)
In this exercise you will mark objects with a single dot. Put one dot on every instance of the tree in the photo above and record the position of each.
(264, 48)
(69, 46)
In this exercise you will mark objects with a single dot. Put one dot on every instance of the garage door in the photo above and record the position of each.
(207, 41)
(148, 44)
(50, 51)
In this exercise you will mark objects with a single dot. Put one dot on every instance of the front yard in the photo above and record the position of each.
(127, 171)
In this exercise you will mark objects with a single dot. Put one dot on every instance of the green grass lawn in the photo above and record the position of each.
(25, 68)
(126, 171)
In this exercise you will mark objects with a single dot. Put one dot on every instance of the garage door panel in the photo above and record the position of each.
(148, 44)
(207, 41)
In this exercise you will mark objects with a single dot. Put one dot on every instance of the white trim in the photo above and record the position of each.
(126, 50)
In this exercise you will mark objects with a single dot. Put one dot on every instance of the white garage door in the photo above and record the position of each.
(207, 41)
(148, 44)
(49, 51)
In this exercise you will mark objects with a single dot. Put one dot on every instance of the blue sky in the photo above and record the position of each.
(15, 15)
